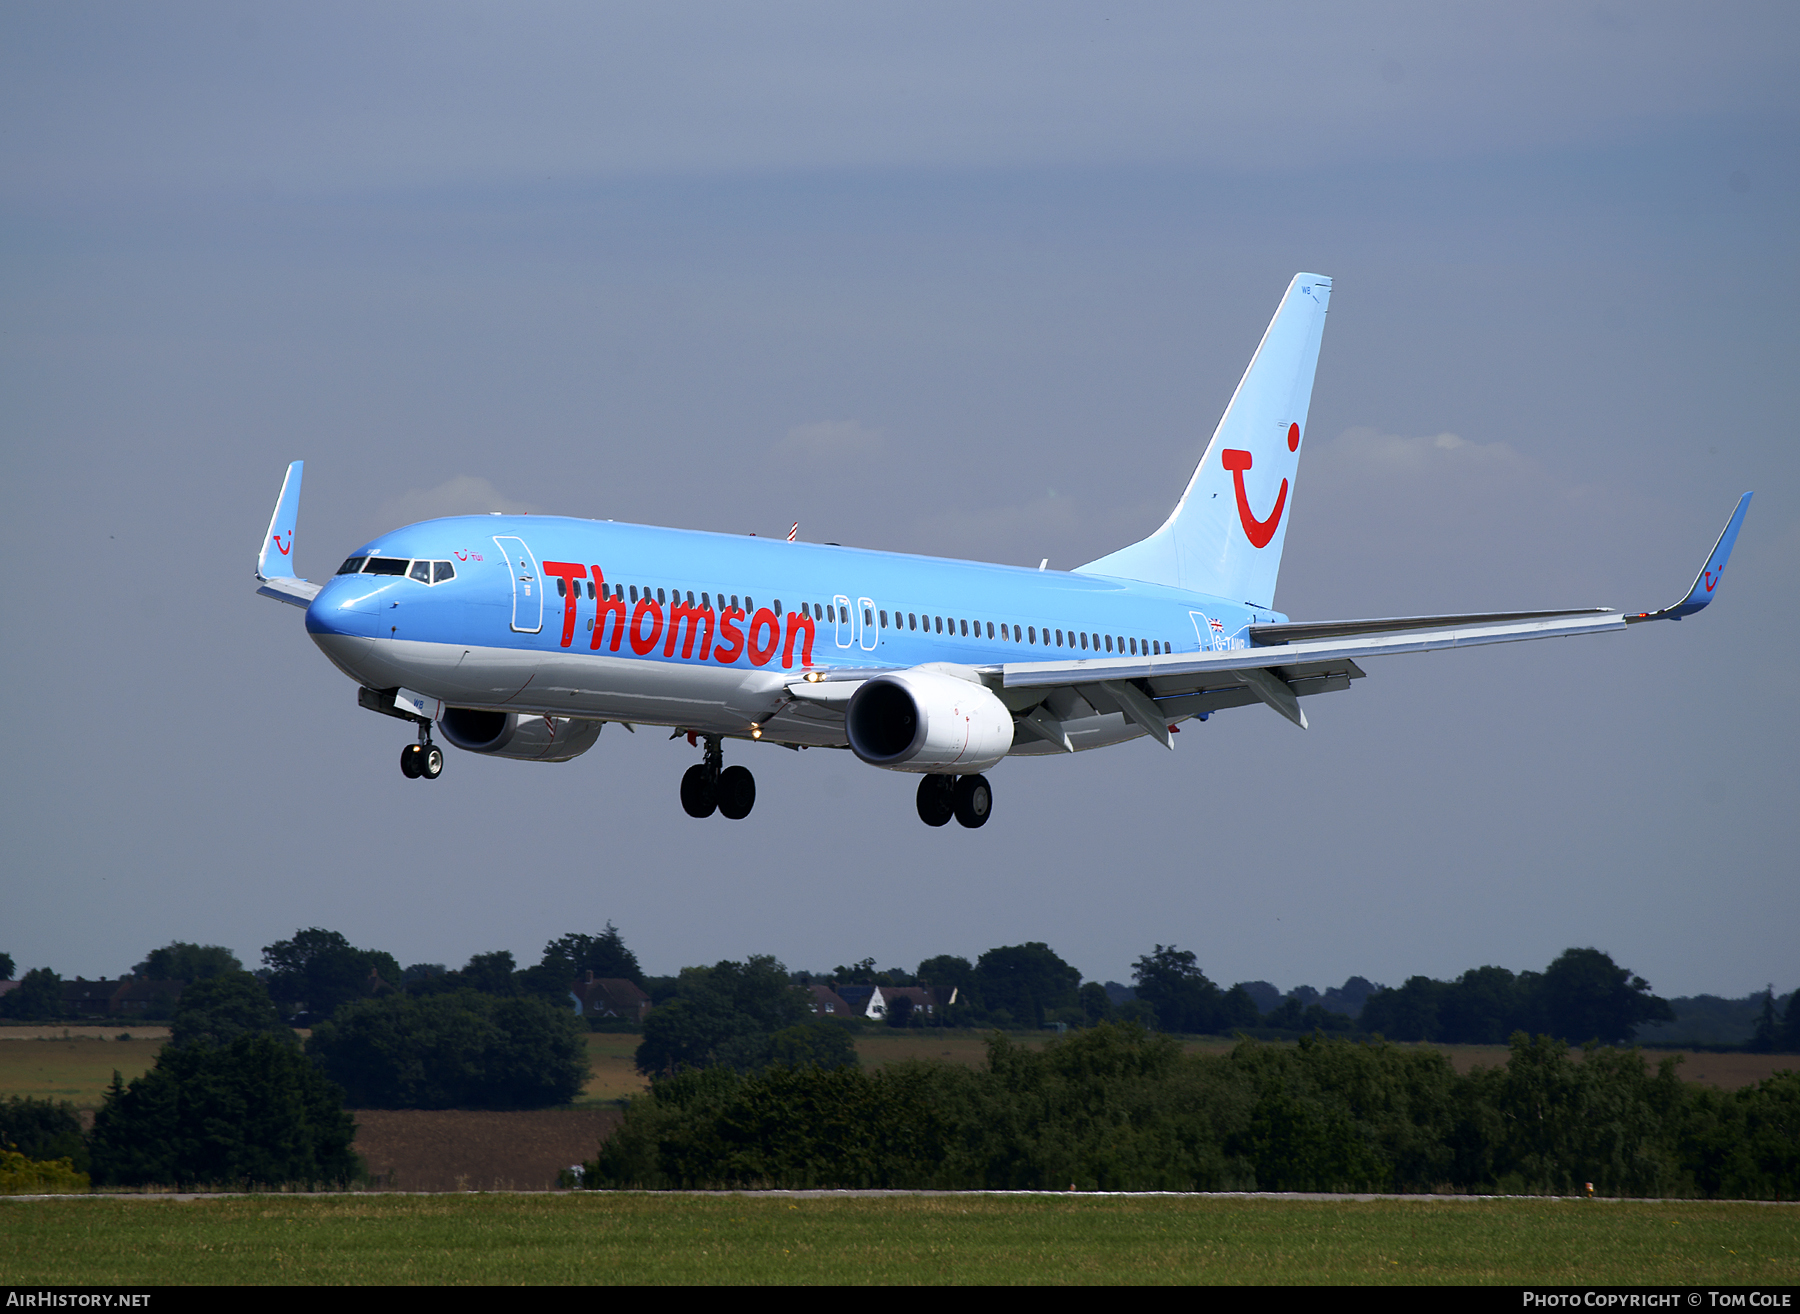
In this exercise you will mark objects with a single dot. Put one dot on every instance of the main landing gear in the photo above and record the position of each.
(423, 759)
(709, 786)
(967, 798)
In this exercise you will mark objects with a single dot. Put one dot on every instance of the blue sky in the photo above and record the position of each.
(969, 281)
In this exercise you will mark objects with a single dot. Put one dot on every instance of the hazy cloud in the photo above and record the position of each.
(464, 495)
(1443, 522)
(1057, 525)
(834, 442)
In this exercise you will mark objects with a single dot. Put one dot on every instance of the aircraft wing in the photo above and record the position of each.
(1168, 688)
(1289, 661)
(298, 592)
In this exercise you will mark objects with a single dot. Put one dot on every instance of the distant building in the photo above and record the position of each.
(829, 1003)
(609, 996)
(137, 996)
(857, 997)
(924, 1000)
(133, 996)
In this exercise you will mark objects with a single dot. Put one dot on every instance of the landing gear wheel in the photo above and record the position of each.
(973, 800)
(697, 795)
(412, 761)
(935, 804)
(431, 761)
(737, 792)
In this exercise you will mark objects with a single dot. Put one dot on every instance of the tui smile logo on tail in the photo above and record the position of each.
(283, 549)
(1259, 532)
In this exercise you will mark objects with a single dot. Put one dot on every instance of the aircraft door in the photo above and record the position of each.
(846, 628)
(527, 584)
(871, 632)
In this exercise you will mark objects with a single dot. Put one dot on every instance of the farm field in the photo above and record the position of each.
(77, 1069)
(477, 1149)
(614, 1074)
(649, 1238)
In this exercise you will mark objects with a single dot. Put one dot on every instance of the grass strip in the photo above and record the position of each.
(671, 1238)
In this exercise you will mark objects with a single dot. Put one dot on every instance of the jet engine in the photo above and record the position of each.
(518, 735)
(929, 721)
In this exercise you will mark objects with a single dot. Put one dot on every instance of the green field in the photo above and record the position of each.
(642, 1238)
(76, 1070)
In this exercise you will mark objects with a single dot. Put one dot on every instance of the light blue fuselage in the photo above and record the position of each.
(503, 635)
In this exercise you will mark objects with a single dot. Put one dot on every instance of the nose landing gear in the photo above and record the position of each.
(967, 798)
(423, 760)
(709, 787)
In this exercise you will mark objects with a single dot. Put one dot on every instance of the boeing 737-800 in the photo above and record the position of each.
(522, 636)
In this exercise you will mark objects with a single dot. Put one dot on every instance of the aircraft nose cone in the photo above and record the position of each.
(346, 605)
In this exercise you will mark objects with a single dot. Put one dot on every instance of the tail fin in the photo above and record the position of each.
(1225, 535)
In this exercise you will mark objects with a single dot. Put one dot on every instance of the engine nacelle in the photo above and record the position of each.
(928, 721)
(518, 735)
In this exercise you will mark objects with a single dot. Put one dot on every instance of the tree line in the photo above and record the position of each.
(1116, 1107)
(1582, 995)
(236, 1096)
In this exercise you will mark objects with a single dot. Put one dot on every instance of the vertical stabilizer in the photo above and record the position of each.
(1225, 536)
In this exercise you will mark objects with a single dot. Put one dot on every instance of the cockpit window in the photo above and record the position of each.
(443, 570)
(386, 566)
(421, 571)
(352, 566)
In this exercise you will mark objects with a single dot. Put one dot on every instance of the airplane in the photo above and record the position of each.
(522, 636)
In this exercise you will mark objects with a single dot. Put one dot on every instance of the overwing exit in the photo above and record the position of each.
(523, 636)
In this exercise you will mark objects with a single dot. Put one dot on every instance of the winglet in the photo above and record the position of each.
(1710, 573)
(275, 560)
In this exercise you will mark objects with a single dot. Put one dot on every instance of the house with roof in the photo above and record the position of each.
(829, 1003)
(875, 1002)
(133, 996)
(858, 997)
(923, 999)
(609, 997)
(139, 996)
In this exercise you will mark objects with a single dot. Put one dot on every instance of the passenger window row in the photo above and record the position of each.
(426, 572)
(1093, 642)
(1005, 631)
